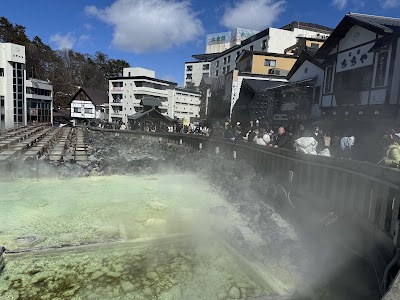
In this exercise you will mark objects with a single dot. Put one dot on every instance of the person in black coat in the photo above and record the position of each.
(283, 141)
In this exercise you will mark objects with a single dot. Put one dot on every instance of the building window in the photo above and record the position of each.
(188, 76)
(228, 68)
(129, 74)
(270, 63)
(1, 101)
(229, 58)
(206, 67)
(224, 60)
(88, 110)
(251, 48)
(224, 70)
(139, 84)
(77, 110)
(217, 63)
(1, 72)
(237, 54)
(216, 72)
(264, 44)
(189, 68)
(314, 45)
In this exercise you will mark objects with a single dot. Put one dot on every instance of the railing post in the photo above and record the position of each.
(234, 154)
(180, 142)
(216, 150)
(200, 146)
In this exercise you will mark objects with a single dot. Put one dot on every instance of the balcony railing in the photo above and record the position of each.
(117, 88)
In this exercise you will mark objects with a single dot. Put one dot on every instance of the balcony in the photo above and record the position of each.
(117, 89)
(150, 91)
(116, 103)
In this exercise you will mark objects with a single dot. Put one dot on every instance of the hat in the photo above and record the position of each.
(237, 123)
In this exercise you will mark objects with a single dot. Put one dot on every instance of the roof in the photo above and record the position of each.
(261, 85)
(255, 37)
(186, 90)
(246, 53)
(143, 77)
(206, 56)
(305, 25)
(150, 101)
(377, 24)
(307, 54)
(96, 96)
(141, 114)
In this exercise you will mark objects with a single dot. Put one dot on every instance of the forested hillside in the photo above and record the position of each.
(66, 69)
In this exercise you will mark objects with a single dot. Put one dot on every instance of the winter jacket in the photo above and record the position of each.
(260, 141)
(307, 145)
(392, 158)
(283, 141)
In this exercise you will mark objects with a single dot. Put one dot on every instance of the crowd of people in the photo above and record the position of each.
(315, 142)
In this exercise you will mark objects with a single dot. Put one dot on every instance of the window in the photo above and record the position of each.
(314, 45)
(224, 70)
(264, 44)
(251, 48)
(228, 68)
(188, 76)
(206, 67)
(217, 63)
(1, 72)
(1, 117)
(77, 110)
(1, 101)
(189, 68)
(129, 74)
(216, 72)
(237, 54)
(224, 60)
(229, 58)
(270, 63)
(139, 84)
(88, 110)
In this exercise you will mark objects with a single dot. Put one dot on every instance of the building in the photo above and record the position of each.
(12, 86)
(219, 42)
(21, 100)
(265, 63)
(270, 40)
(88, 104)
(39, 101)
(150, 118)
(185, 105)
(362, 73)
(197, 69)
(127, 91)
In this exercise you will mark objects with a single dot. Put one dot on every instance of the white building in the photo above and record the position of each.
(126, 92)
(219, 42)
(39, 101)
(196, 70)
(88, 104)
(21, 101)
(12, 86)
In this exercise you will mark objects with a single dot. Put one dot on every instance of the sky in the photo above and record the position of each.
(163, 34)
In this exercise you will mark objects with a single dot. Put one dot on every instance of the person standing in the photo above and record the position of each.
(392, 157)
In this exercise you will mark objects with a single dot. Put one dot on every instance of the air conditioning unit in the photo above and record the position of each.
(274, 72)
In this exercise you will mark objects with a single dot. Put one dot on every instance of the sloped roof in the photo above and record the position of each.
(377, 24)
(150, 101)
(141, 114)
(305, 25)
(307, 54)
(261, 85)
(96, 96)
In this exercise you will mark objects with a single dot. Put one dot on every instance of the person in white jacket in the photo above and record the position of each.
(306, 145)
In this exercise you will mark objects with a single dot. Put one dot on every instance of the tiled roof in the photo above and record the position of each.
(150, 101)
(386, 24)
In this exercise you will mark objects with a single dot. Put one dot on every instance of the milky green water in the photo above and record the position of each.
(119, 211)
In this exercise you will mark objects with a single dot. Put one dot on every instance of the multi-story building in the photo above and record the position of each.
(219, 42)
(270, 40)
(88, 104)
(196, 70)
(186, 104)
(127, 91)
(39, 101)
(21, 100)
(12, 86)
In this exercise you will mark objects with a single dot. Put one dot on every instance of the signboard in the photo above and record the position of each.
(288, 106)
(218, 38)
(328, 80)
(381, 65)
(281, 117)
(355, 58)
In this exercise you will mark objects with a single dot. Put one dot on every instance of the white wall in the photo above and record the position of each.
(312, 71)
(81, 105)
(197, 72)
(186, 105)
(128, 72)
